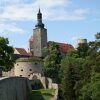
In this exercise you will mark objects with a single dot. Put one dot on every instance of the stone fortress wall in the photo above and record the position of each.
(22, 69)
(25, 66)
(31, 69)
(14, 88)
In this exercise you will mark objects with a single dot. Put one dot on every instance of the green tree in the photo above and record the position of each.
(91, 88)
(82, 50)
(52, 61)
(72, 70)
(68, 81)
(5, 54)
(80, 72)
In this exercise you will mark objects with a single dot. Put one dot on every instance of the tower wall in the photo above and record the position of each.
(81, 41)
(40, 41)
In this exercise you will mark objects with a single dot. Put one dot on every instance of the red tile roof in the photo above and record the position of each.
(64, 48)
(30, 53)
(22, 51)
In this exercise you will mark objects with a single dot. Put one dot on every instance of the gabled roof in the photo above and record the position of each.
(64, 47)
(30, 53)
(21, 51)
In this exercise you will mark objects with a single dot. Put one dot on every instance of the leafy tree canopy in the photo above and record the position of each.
(52, 61)
(80, 72)
(5, 54)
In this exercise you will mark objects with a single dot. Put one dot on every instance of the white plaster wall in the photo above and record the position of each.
(16, 52)
(9, 73)
(25, 69)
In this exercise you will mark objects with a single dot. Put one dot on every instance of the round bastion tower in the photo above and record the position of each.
(24, 67)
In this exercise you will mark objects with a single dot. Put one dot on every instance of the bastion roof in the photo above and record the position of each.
(29, 59)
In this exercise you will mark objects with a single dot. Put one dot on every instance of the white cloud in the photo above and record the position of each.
(74, 38)
(4, 27)
(62, 14)
(17, 13)
(51, 3)
(11, 2)
(51, 9)
(25, 10)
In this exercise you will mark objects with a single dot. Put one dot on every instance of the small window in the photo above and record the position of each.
(20, 75)
(21, 69)
(36, 63)
(28, 75)
(30, 69)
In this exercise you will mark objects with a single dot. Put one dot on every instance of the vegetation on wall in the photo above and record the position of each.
(30, 59)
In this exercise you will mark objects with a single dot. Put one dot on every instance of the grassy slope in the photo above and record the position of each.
(42, 94)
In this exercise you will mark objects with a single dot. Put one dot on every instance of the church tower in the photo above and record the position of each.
(39, 37)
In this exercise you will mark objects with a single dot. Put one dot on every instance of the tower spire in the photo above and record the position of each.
(39, 19)
(39, 10)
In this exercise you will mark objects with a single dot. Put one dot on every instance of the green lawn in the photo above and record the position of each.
(42, 94)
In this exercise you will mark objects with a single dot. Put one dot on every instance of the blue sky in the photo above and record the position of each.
(65, 20)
